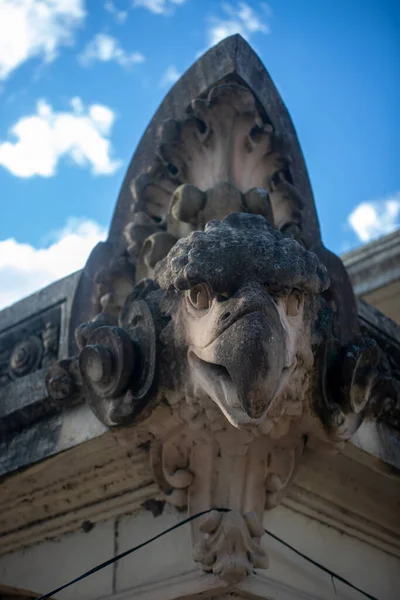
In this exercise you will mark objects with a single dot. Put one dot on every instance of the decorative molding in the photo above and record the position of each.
(374, 265)
(192, 586)
(32, 345)
(109, 477)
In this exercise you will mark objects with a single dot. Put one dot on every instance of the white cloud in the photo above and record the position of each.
(240, 19)
(171, 74)
(25, 269)
(158, 7)
(105, 48)
(370, 220)
(119, 15)
(31, 28)
(47, 136)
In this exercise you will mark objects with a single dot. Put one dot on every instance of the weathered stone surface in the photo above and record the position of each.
(109, 476)
(48, 565)
(29, 345)
(374, 269)
(245, 317)
(29, 315)
(53, 433)
(233, 59)
(215, 320)
(33, 336)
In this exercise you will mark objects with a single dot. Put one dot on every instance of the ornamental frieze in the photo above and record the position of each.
(29, 346)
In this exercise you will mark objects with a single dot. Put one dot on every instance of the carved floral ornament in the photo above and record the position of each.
(37, 347)
(223, 337)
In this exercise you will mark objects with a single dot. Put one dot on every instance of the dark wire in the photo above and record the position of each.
(317, 564)
(123, 554)
(184, 522)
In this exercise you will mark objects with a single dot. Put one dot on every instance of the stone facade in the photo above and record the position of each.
(374, 271)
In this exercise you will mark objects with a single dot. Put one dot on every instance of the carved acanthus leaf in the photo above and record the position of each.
(223, 138)
(201, 463)
(230, 547)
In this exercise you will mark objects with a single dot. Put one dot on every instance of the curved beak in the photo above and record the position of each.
(243, 369)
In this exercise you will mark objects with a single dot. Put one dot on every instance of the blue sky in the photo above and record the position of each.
(80, 80)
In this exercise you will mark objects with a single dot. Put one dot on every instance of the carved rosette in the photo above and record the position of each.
(29, 346)
(228, 334)
(26, 357)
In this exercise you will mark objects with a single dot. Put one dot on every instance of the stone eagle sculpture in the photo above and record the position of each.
(244, 301)
(223, 358)
(214, 320)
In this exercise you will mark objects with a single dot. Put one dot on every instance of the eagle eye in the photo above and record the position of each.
(294, 302)
(199, 296)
